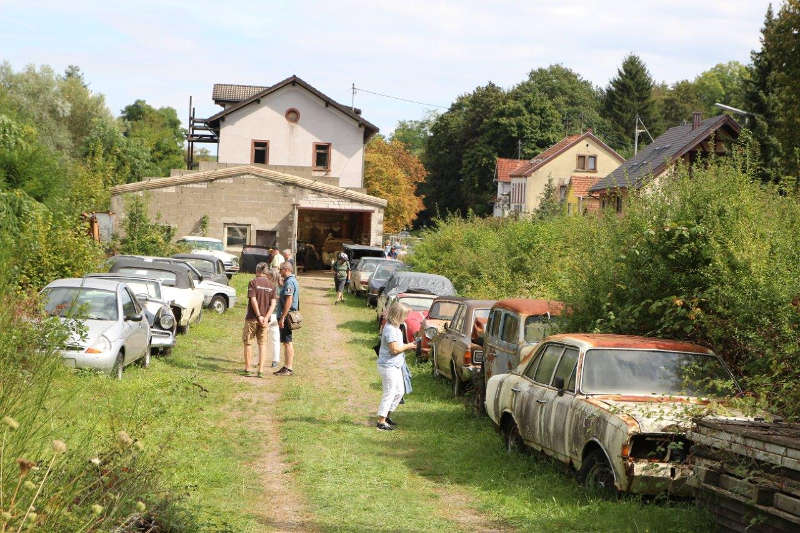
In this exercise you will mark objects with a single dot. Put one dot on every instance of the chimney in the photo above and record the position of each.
(697, 118)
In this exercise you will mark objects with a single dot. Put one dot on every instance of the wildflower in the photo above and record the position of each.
(124, 438)
(140, 506)
(11, 423)
(97, 508)
(25, 466)
(138, 445)
(95, 461)
(30, 485)
(59, 446)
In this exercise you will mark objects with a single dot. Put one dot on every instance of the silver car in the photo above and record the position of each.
(114, 332)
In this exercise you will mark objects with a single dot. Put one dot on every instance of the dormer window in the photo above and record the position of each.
(587, 163)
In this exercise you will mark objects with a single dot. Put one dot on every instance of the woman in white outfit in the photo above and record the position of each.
(274, 330)
(391, 357)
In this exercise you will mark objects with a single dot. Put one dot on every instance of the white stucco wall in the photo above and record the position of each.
(292, 144)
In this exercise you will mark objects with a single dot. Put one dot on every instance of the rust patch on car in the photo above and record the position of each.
(650, 399)
(597, 402)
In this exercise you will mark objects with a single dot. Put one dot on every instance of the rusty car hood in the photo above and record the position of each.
(662, 414)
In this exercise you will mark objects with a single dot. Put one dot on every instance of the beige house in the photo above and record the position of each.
(581, 155)
(253, 205)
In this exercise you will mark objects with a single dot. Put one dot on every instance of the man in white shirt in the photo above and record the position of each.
(277, 259)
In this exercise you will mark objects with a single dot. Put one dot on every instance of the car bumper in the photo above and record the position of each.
(97, 361)
(651, 478)
(161, 338)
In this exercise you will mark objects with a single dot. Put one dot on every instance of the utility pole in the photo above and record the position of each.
(353, 99)
(637, 131)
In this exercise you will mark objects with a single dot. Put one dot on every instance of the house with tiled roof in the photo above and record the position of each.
(290, 127)
(565, 165)
(686, 143)
(502, 177)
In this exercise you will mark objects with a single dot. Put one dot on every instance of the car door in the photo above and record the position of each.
(444, 349)
(523, 402)
(462, 338)
(556, 407)
(134, 332)
(506, 345)
(541, 374)
(491, 341)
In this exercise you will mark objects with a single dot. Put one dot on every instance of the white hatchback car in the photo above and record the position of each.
(115, 331)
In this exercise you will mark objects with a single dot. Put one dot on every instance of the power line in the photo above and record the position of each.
(357, 89)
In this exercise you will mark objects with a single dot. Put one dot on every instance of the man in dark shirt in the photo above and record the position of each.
(260, 306)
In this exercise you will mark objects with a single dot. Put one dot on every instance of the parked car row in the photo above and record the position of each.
(136, 308)
(616, 408)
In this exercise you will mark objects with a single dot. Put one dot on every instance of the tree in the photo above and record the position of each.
(629, 94)
(723, 83)
(414, 133)
(159, 130)
(392, 172)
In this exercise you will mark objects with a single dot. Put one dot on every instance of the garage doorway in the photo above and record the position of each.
(321, 233)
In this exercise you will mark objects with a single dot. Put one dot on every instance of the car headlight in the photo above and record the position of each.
(166, 321)
(235, 261)
(431, 332)
(101, 345)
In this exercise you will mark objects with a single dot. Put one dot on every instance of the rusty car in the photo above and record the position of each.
(457, 351)
(441, 312)
(615, 407)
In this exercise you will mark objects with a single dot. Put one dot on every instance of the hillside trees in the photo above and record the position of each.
(630, 93)
(414, 133)
(158, 130)
(392, 172)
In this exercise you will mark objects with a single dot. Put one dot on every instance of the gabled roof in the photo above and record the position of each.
(241, 170)
(663, 151)
(505, 166)
(554, 151)
(213, 121)
(228, 92)
(581, 185)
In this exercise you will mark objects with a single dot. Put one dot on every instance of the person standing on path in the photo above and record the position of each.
(274, 330)
(341, 276)
(289, 300)
(277, 259)
(260, 306)
(287, 256)
(391, 358)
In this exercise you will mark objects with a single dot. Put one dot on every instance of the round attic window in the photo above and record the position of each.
(292, 115)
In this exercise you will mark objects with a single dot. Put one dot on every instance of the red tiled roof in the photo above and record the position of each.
(581, 185)
(545, 157)
(505, 166)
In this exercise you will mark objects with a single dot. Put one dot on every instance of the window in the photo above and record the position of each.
(587, 163)
(510, 328)
(549, 359)
(531, 370)
(236, 235)
(128, 307)
(566, 368)
(618, 204)
(494, 319)
(322, 156)
(292, 115)
(458, 319)
(439, 310)
(259, 152)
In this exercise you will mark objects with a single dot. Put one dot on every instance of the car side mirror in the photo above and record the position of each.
(558, 383)
(135, 317)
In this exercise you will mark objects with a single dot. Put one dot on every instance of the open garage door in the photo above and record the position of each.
(321, 233)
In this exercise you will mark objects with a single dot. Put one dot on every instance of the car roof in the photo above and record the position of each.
(362, 247)
(159, 263)
(451, 298)
(416, 295)
(631, 342)
(478, 304)
(529, 306)
(121, 277)
(206, 257)
(198, 238)
(90, 283)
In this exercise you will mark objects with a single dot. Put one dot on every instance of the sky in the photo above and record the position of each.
(163, 51)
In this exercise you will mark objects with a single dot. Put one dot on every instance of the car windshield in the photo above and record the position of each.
(416, 303)
(537, 327)
(443, 310)
(204, 245)
(653, 372)
(164, 276)
(81, 302)
(367, 266)
(206, 267)
(384, 272)
(149, 288)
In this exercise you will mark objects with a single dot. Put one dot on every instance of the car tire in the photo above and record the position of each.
(184, 330)
(166, 351)
(144, 361)
(218, 304)
(434, 366)
(514, 442)
(119, 366)
(478, 393)
(596, 474)
(458, 388)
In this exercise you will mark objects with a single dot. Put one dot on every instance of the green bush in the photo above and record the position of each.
(142, 236)
(711, 256)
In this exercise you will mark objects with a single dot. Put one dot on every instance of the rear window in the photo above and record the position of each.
(537, 327)
(417, 304)
(367, 266)
(206, 267)
(164, 276)
(385, 272)
(510, 328)
(443, 310)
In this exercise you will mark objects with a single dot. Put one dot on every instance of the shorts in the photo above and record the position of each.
(254, 330)
(340, 284)
(286, 332)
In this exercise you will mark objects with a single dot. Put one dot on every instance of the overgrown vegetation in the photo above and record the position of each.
(143, 236)
(712, 256)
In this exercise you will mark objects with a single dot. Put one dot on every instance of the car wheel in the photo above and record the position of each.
(119, 366)
(218, 304)
(166, 351)
(478, 393)
(458, 388)
(597, 475)
(183, 330)
(514, 442)
(434, 365)
(144, 361)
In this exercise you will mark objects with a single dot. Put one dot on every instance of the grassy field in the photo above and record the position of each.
(181, 408)
(413, 479)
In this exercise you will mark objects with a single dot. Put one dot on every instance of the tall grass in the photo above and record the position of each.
(711, 255)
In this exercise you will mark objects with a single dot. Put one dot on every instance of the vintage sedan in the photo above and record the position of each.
(208, 245)
(379, 278)
(359, 276)
(419, 305)
(211, 267)
(457, 351)
(440, 314)
(113, 331)
(186, 300)
(157, 310)
(614, 407)
(417, 282)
